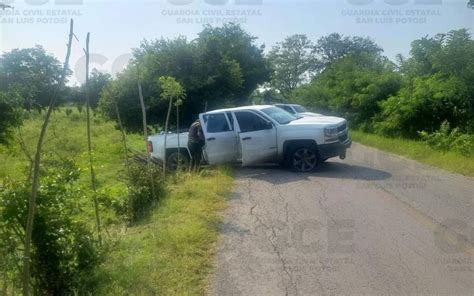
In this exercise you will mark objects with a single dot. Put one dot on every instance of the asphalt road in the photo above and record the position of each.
(373, 224)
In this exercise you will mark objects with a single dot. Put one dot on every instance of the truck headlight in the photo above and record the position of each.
(330, 131)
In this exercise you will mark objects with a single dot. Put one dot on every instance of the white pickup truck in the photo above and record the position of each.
(259, 134)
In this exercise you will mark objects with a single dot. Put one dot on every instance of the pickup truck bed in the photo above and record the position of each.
(158, 141)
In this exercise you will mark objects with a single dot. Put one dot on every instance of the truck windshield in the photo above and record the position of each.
(279, 115)
(300, 109)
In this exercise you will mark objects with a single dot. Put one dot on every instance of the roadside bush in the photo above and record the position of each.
(449, 139)
(352, 87)
(64, 251)
(115, 199)
(10, 115)
(424, 105)
(141, 199)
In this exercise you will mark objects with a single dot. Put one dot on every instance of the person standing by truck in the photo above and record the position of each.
(195, 144)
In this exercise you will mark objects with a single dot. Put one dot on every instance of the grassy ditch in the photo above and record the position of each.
(419, 151)
(171, 252)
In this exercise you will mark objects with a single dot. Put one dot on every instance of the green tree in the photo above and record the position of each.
(97, 82)
(437, 87)
(424, 104)
(171, 91)
(10, 115)
(222, 66)
(32, 73)
(234, 63)
(123, 92)
(293, 62)
(267, 97)
(352, 86)
(335, 46)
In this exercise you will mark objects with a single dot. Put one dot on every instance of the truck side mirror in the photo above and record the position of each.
(268, 125)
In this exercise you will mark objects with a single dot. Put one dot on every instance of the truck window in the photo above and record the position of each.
(280, 115)
(216, 123)
(287, 108)
(300, 109)
(250, 122)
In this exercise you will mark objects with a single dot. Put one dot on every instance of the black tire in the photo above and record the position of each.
(172, 161)
(302, 158)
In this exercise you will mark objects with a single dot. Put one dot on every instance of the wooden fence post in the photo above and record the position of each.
(36, 169)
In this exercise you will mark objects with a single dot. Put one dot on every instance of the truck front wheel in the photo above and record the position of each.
(303, 159)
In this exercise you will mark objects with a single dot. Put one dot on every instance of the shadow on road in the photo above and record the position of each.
(277, 175)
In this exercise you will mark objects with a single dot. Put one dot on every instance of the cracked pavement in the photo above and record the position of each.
(372, 224)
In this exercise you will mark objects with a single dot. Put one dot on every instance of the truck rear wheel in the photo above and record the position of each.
(303, 158)
(173, 164)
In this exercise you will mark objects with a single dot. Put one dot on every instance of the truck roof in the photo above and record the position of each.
(281, 104)
(250, 107)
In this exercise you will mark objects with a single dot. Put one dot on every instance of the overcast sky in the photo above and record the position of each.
(118, 26)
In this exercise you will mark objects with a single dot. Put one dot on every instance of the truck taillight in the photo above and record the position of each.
(150, 146)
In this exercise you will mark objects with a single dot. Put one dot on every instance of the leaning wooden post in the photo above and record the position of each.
(36, 170)
(89, 144)
(177, 132)
(166, 133)
(125, 150)
(145, 133)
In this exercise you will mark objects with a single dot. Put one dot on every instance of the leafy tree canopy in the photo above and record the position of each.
(351, 86)
(97, 82)
(32, 73)
(431, 86)
(222, 66)
(335, 46)
(171, 89)
(293, 62)
(10, 115)
(437, 87)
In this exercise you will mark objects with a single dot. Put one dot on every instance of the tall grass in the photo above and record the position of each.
(171, 253)
(170, 250)
(67, 138)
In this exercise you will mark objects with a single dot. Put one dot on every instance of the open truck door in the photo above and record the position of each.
(257, 137)
(220, 137)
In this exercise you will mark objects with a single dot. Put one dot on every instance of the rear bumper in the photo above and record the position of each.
(334, 149)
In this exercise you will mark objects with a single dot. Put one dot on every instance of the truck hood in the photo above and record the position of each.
(318, 120)
(309, 114)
